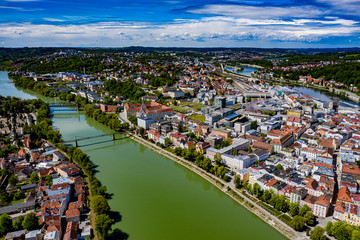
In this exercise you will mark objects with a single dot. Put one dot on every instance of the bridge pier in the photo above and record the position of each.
(76, 143)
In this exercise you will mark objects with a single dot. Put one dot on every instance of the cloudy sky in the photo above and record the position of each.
(186, 23)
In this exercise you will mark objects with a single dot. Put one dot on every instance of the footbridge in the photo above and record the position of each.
(65, 104)
(77, 139)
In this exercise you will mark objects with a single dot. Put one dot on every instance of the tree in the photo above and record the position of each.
(317, 233)
(340, 231)
(256, 190)
(31, 222)
(103, 225)
(304, 210)
(218, 158)
(180, 128)
(355, 235)
(281, 204)
(49, 179)
(167, 141)
(99, 205)
(237, 181)
(141, 131)
(298, 223)
(5, 224)
(253, 125)
(248, 99)
(17, 223)
(279, 166)
(309, 218)
(266, 196)
(13, 180)
(274, 200)
(328, 228)
(294, 209)
(34, 178)
(18, 195)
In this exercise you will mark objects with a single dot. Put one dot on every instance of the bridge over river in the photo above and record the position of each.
(76, 140)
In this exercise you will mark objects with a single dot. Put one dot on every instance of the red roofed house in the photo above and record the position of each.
(344, 195)
(108, 108)
(152, 110)
(321, 206)
(71, 232)
(339, 210)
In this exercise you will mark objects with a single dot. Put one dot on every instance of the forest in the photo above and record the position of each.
(127, 89)
(70, 64)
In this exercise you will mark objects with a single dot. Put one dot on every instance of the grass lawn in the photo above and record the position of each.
(236, 106)
(17, 201)
(179, 109)
(193, 105)
(285, 218)
(198, 117)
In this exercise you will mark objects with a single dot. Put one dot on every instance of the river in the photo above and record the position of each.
(156, 197)
(323, 95)
(246, 72)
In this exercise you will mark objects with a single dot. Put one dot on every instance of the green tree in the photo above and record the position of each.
(254, 125)
(266, 196)
(355, 235)
(48, 180)
(328, 228)
(13, 180)
(298, 223)
(218, 158)
(274, 200)
(167, 141)
(309, 218)
(34, 178)
(5, 224)
(279, 166)
(99, 205)
(103, 225)
(294, 209)
(141, 131)
(340, 230)
(304, 210)
(18, 195)
(248, 99)
(31, 222)
(17, 223)
(317, 233)
(282, 204)
(256, 190)
(237, 181)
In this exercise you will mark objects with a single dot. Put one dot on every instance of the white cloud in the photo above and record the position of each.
(53, 20)
(260, 12)
(191, 32)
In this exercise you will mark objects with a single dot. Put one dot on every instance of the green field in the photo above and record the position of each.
(193, 105)
(198, 117)
(179, 109)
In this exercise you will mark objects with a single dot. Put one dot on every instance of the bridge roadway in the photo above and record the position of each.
(97, 136)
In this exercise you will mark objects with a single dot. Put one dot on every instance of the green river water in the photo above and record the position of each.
(156, 198)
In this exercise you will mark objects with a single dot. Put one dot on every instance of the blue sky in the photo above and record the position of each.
(195, 23)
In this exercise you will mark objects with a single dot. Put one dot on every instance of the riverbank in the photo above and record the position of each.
(335, 92)
(229, 190)
(92, 214)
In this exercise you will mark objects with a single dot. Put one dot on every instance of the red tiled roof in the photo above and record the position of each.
(344, 195)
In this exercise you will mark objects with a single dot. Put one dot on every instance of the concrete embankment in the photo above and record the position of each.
(223, 186)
